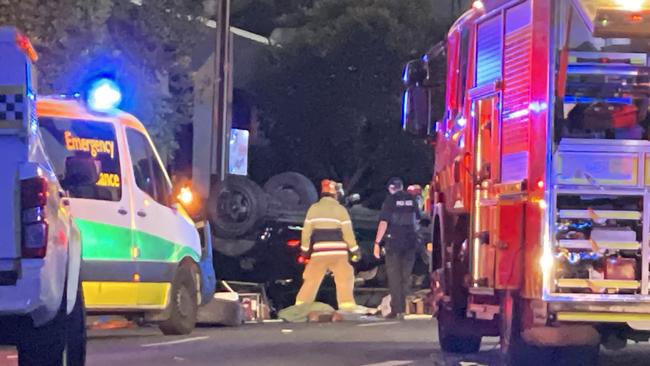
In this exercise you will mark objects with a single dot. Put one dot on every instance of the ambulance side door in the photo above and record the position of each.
(164, 233)
(102, 213)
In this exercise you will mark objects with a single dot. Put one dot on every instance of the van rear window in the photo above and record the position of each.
(64, 138)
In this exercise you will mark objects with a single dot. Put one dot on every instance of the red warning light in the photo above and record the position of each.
(293, 243)
(25, 45)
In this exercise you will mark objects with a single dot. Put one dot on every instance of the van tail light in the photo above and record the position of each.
(33, 199)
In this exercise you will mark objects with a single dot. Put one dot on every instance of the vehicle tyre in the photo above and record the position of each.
(293, 190)
(61, 342)
(450, 340)
(237, 206)
(183, 304)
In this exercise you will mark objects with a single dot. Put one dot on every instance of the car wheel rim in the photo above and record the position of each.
(183, 302)
(234, 206)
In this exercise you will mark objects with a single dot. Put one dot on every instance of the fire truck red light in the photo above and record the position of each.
(293, 242)
(636, 18)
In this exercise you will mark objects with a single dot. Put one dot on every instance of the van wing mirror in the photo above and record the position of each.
(80, 171)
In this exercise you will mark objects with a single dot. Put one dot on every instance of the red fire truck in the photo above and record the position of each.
(541, 192)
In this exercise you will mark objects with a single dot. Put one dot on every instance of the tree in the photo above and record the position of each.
(331, 95)
(145, 47)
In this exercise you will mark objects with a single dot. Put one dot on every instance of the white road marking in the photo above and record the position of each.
(418, 317)
(12, 357)
(265, 321)
(178, 341)
(390, 363)
(287, 331)
(377, 324)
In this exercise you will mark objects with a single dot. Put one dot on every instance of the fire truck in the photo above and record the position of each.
(541, 199)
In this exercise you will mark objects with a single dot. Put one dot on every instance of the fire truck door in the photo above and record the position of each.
(486, 165)
(509, 241)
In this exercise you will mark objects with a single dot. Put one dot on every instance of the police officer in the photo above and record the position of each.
(397, 227)
(328, 240)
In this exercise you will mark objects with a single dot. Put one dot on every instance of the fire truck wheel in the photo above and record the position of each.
(292, 190)
(183, 303)
(62, 341)
(237, 206)
(453, 342)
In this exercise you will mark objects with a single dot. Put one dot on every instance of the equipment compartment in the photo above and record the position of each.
(598, 244)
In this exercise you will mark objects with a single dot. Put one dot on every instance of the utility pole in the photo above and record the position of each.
(222, 91)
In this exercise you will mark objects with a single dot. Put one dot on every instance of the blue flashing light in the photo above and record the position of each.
(104, 95)
(588, 100)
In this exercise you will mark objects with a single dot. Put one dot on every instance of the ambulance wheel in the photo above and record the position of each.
(61, 342)
(450, 339)
(183, 304)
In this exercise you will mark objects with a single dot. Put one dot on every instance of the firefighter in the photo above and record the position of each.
(328, 240)
(398, 228)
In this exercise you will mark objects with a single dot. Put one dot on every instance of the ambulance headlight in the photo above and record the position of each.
(103, 95)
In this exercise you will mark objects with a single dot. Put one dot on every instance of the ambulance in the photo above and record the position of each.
(141, 251)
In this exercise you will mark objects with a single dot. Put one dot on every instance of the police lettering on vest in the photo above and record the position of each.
(401, 212)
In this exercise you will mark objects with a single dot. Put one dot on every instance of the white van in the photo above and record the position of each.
(141, 252)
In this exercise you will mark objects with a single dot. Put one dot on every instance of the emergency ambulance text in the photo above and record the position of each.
(108, 180)
(93, 146)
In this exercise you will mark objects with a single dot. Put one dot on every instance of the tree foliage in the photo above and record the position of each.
(331, 95)
(146, 47)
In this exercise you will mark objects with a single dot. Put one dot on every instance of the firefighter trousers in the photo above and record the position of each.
(399, 266)
(343, 278)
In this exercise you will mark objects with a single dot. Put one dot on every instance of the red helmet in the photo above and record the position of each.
(414, 189)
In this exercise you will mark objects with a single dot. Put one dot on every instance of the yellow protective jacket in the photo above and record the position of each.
(328, 229)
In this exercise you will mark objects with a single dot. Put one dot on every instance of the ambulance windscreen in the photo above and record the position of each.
(65, 138)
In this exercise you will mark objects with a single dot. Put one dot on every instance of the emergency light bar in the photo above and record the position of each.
(103, 95)
(569, 99)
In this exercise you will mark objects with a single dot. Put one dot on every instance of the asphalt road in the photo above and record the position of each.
(408, 343)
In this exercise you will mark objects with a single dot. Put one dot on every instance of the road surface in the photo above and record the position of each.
(408, 343)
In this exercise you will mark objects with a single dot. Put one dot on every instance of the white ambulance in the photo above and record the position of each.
(41, 306)
(141, 251)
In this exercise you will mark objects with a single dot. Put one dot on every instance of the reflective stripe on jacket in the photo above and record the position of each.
(328, 229)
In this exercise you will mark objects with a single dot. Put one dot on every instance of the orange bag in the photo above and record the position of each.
(601, 116)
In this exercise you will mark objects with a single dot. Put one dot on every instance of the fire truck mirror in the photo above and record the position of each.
(415, 112)
(415, 72)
